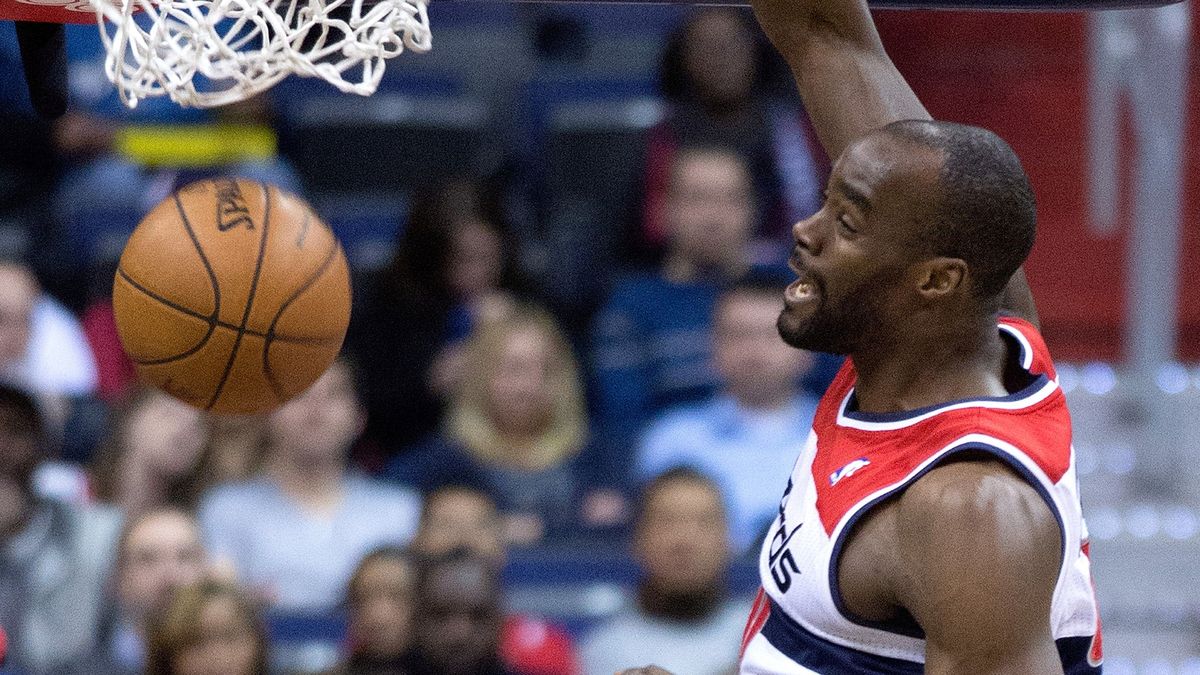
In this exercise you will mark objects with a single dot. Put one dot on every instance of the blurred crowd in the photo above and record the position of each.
(470, 416)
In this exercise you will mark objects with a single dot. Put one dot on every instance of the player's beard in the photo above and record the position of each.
(837, 325)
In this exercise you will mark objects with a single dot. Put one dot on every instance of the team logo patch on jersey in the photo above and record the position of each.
(848, 470)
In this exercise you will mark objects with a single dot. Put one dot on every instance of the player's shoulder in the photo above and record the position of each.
(970, 499)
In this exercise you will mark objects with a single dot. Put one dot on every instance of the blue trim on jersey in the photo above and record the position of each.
(1029, 390)
(1073, 652)
(909, 628)
(1015, 334)
(1034, 387)
(821, 655)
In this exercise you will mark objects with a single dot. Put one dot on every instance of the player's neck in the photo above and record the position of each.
(931, 367)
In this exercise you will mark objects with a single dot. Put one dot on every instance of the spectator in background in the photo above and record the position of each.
(463, 518)
(236, 446)
(44, 351)
(517, 427)
(455, 516)
(712, 75)
(162, 452)
(154, 455)
(294, 532)
(210, 628)
(54, 557)
(458, 617)
(158, 553)
(42, 345)
(651, 342)
(453, 265)
(682, 619)
(756, 424)
(380, 600)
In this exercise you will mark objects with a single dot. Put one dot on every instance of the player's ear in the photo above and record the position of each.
(941, 277)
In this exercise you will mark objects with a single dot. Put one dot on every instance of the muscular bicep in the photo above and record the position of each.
(982, 551)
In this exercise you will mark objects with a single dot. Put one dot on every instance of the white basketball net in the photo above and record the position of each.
(206, 53)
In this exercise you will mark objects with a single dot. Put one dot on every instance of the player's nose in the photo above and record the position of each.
(805, 232)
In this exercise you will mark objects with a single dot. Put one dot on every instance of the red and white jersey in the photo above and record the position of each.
(852, 462)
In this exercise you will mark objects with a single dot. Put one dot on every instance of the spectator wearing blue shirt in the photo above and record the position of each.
(651, 342)
(754, 426)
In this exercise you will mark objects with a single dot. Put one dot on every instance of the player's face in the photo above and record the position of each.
(162, 553)
(853, 257)
(381, 608)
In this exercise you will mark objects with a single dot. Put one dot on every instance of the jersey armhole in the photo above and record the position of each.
(990, 448)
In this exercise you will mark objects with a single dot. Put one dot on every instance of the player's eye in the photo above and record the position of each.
(846, 224)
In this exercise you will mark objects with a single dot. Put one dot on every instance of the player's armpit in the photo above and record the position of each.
(981, 552)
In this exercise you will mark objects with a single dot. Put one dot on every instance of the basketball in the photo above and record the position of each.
(232, 296)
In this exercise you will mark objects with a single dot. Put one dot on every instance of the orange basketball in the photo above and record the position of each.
(232, 296)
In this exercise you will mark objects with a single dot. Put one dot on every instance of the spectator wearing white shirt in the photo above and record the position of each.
(294, 533)
(755, 426)
(42, 345)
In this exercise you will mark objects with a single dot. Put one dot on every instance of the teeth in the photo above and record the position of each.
(798, 290)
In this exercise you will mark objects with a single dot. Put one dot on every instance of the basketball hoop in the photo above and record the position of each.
(206, 53)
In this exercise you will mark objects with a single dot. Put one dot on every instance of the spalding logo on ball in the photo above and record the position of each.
(232, 296)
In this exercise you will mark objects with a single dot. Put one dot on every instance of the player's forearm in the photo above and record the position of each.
(848, 96)
(848, 83)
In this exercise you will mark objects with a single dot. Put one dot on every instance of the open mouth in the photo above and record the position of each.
(802, 289)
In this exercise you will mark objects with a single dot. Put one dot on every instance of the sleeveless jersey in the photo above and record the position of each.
(853, 461)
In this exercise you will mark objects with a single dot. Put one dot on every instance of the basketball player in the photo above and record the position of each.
(932, 522)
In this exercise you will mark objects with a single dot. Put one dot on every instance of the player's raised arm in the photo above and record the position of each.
(850, 86)
(982, 551)
(848, 83)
